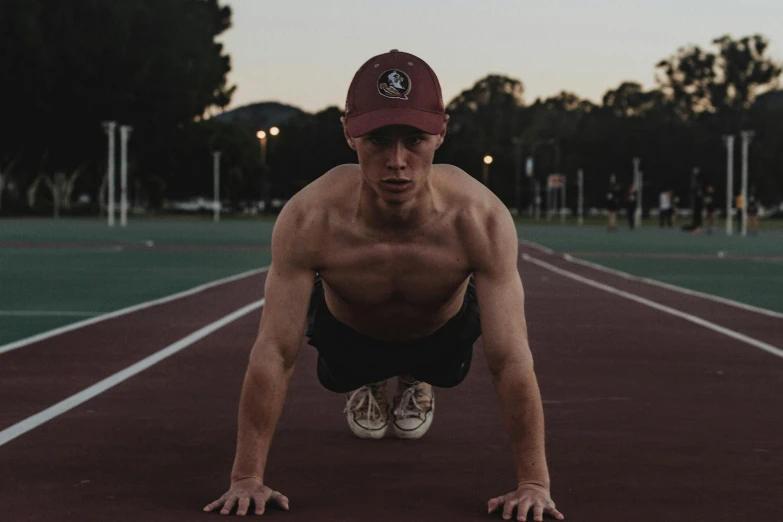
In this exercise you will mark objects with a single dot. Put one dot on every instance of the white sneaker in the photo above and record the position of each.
(411, 420)
(367, 411)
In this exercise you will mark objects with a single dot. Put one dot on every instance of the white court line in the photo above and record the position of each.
(654, 282)
(42, 313)
(686, 291)
(30, 423)
(774, 350)
(117, 313)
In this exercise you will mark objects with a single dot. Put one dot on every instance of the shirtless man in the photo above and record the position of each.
(383, 264)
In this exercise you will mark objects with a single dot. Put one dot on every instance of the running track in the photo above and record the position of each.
(650, 417)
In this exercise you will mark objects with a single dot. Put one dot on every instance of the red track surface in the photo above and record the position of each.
(649, 418)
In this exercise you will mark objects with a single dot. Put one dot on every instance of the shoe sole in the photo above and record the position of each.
(418, 431)
(366, 433)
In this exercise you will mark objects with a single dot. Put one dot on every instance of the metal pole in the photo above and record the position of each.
(125, 131)
(485, 175)
(729, 141)
(580, 202)
(109, 127)
(747, 136)
(216, 183)
(538, 200)
(564, 205)
(637, 179)
(518, 175)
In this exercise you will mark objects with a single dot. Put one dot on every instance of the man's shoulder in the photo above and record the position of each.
(479, 210)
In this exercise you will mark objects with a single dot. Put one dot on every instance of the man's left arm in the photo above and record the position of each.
(504, 332)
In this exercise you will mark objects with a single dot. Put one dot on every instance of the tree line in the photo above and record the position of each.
(155, 65)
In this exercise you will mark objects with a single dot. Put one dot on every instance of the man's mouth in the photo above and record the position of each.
(397, 184)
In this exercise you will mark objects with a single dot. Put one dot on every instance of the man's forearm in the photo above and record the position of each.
(520, 402)
(260, 405)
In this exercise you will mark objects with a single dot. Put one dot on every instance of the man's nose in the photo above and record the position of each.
(396, 159)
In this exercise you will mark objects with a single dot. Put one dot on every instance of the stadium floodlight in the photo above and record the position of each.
(274, 131)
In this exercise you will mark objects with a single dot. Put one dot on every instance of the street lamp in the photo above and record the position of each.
(485, 174)
(265, 186)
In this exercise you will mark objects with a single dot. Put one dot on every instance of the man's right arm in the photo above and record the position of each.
(287, 294)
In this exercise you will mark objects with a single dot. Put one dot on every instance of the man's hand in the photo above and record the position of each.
(525, 498)
(242, 492)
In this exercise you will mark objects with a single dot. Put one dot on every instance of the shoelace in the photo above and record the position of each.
(365, 393)
(403, 409)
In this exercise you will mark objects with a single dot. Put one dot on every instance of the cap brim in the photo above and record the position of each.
(429, 122)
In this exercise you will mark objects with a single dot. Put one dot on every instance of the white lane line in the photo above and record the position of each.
(30, 423)
(124, 311)
(45, 313)
(774, 350)
(654, 282)
(537, 246)
(667, 286)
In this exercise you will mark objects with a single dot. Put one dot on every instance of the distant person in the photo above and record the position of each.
(630, 207)
(665, 209)
(709, 205)
(392, 268)
(698, 210)
(739, 204)
(675, 208)
(612, 202)
(753, 213)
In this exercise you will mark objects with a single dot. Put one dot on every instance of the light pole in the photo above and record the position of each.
(729, 141)
(747, 136)
(109, 127)
(125, 132)
(485, 172)
(265, 183)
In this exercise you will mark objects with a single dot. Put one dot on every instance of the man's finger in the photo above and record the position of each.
(508, 508)
(493, 504)
(280, 499)
(258, 498)
(555, 513)
(538, 512)
(214, 505)
(522, 509)
(229, 505)
(244, 503)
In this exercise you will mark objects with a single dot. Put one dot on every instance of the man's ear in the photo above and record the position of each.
(442, 135)
(348, 138)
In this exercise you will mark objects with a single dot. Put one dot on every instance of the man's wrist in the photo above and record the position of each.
(536, 483)
(257, 478)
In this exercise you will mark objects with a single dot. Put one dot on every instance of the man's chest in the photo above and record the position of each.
(426, 271)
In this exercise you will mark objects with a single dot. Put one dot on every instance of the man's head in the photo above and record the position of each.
(395, 120)
(394, 88)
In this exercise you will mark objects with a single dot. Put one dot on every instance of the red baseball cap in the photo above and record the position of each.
(394, 88)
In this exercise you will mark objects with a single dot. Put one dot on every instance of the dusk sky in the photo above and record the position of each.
(305, 53)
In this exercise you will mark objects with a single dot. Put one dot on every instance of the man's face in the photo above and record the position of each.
(396, 160)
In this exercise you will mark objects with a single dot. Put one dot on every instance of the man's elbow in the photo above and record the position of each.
(509, 365)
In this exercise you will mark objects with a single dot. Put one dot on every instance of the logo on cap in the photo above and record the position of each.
(394, 83)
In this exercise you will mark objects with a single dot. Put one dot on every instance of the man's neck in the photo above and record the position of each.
(386, 217)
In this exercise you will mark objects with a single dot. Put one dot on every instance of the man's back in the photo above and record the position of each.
(393, 283)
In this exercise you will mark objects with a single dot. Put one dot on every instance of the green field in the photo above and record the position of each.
(55, 272)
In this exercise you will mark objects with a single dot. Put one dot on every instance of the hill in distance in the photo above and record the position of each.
(261, 115)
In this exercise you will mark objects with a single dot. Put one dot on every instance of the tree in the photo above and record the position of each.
(153, 64)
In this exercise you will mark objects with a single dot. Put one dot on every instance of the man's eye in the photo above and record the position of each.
(377, 140)
(415, 140)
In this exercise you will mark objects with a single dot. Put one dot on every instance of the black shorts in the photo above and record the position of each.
(348, 360)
